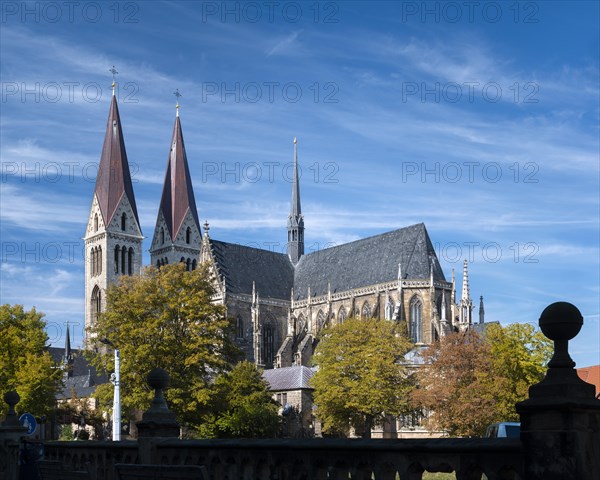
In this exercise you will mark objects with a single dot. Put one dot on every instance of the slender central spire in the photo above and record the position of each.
(295, 219)
(465, 285)
(177, 95)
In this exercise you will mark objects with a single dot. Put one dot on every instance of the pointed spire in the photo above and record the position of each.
(177, 95)
(114, 180)
(465, 285)
(295, 218)
(67, 344)
(177, 195)
(481, 310)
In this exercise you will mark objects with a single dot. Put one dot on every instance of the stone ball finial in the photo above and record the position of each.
(561, 321)
(158, 379)
(11, 398)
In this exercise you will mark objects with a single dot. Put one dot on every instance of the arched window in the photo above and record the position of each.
(320, 320)
(416, 324)
(130, 261)
(188, 264)
(342, 315)
(95, 222)
(239, 327)
(194, 264)
(93, 261)
(99, 258)
(124, 221)
(389, 309)
(166, 261)
(95, 304)
(162, 236)
(188, 235)
(268, 345)
(158, 264)
(123, 259)
(366, 310)
(117, 254)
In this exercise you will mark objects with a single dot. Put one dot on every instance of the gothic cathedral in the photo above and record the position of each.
(279, 302)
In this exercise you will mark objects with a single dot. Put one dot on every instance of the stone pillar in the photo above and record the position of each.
(157, 422)
(11, 432)
(560, 422)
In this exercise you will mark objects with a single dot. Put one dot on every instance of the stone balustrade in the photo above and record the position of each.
(560, 439)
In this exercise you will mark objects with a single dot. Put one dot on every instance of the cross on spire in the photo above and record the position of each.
(114, 72)
(177, 95)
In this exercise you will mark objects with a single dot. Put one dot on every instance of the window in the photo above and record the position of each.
(130, 261)
(124, 221)
(123, 259)
(95, 304)
(366, 310)
(162, 236)
(320, 320)
(342, 315)
(96, 223)
(282, 399)
(93, 261)
(117, 253)
(188, 235)
(415, 319)
(188, 264)
(268, 344)
(239, 327)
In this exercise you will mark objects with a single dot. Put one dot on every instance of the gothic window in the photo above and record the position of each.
(342, 315)
(193, 264)
(95, 222)
(123, 259)
(268, 345)
(366, 310)
(99, 258)
(188, 235)
(96, 304)
(320, 320)
(124, 221)
(158, 264)
(162, 236)
(93, 261)
(117, 254)
(239, 327)
(130, 261)
(166, 261)
(389, 309)
(415, 319)
(188, 265)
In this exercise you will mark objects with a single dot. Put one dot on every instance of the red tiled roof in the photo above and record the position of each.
(177, 194)
(113, 180)
(590, 375)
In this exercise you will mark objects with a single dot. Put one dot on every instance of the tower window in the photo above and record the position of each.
(193, 264)
(188, 235)
(188, 264)
(96, 223)
(415, 320)
(268, 344)
(123, 259)
(130, 261)
(99, 255)
(162, 236)
(117, 253)
(124, 221)
(95, 304)
(240, 327)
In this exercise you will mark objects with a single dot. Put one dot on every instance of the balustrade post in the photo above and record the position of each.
(560, 422)
(157, 422)
(11, 432)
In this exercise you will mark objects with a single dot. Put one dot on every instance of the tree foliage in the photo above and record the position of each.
(469, 381)
(241, 406)
(164, 318)
(361, 376)
(25, 364)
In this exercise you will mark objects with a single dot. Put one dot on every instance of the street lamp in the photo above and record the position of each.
(115, 379)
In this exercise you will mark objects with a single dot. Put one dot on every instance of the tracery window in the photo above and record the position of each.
(416, 323)
(342, 315)
(366, 310)
(95, 303)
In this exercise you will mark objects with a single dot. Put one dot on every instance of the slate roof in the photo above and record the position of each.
(272, 272)
(178, 194)
(113, 180)
(368, 261)
(288, 378)
(84, 378)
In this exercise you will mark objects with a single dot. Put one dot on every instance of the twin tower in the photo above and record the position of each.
(113, 238)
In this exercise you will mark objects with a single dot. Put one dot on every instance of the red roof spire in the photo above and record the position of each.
(113, 180)
(178, 194)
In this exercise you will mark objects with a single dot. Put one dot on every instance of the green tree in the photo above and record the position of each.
(25, 364)
(361, 375)
(469, 381)
(241, 406)
(164, 318)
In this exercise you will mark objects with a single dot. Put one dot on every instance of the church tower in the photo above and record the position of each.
(113, 238)
(466, 304)
(177, 236)
(295, 219)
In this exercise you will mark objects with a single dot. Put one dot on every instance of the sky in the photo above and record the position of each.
(479, 119)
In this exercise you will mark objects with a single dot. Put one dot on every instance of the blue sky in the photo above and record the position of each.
(480, 121)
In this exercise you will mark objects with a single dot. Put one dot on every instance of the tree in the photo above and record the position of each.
(25, 364)
(469, 381)
(361, 375)
(241, 406)
(164, 318)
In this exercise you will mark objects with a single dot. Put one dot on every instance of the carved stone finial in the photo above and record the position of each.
(11, 420)
(158, 421)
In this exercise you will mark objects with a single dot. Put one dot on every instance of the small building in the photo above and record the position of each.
(591, 375)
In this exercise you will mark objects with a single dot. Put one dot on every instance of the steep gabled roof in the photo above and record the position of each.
(178, 194)
(368, 261)
(113, 180)
(272, 272)
(288, 378)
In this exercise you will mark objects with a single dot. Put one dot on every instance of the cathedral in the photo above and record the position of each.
(279, 301)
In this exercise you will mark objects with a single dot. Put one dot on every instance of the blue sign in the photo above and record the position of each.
(28, 421)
